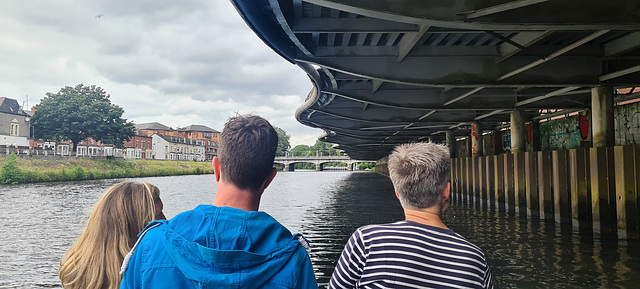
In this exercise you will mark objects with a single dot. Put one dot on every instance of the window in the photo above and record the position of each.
(14, 129)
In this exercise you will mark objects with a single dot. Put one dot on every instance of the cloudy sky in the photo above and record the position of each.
(175, 62)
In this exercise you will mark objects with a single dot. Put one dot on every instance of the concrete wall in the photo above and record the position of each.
(566, 133)
(627, 124)
(381, 166)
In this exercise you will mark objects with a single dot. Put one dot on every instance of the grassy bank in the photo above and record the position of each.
(16, 171)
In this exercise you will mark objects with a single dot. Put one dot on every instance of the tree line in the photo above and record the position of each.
(81, 112)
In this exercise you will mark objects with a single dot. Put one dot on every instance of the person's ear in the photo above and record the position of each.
(270, 178)
(446, 193)
(216, 168)
(397, 195)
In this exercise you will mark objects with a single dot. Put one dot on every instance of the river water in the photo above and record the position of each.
(38, 222)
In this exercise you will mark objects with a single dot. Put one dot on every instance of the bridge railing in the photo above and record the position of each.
(314, 157)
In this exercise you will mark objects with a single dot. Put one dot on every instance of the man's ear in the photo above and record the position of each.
(216, 168)
(270, 178)
(397, 195)
(446, 193)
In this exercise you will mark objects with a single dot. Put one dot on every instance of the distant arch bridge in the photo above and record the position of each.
(319, 160)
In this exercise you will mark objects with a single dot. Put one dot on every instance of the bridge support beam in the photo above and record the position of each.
(451, 143)
(319, 167)
(518, 143)
(602, 116)
(289, 167)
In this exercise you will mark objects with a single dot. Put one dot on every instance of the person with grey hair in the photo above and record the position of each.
(421, 251)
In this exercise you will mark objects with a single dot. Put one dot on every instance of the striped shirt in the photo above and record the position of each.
(407, 254)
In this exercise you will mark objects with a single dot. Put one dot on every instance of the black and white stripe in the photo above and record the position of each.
(410, 255)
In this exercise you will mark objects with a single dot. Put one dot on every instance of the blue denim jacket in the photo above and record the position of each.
(213, 247)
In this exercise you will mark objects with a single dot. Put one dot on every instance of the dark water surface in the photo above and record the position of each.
(39, 222)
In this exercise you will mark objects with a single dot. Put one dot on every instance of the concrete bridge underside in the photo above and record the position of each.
(386, 72)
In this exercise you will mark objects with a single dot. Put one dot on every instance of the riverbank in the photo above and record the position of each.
(19, 171)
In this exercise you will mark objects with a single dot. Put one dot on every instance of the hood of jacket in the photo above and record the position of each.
(228, 247)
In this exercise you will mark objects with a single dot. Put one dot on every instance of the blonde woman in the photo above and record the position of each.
(94, 260)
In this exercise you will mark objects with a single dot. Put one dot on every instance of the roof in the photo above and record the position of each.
(197, 127)
(152, 126)
(10, 105)
(386, 72)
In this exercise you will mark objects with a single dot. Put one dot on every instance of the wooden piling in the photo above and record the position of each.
(561, 198)
(531, 184)
(520, 199)
(499, 180)
(626, 191)
(580, 187)
(509, 183)
(482, 179)
(544, 186)
(491, 182)
(603, 196)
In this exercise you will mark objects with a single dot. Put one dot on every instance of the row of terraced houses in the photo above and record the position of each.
(151, 140)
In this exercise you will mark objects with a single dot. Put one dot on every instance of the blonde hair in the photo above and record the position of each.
(94, 260)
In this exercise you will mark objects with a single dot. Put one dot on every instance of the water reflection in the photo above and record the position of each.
(357, 200)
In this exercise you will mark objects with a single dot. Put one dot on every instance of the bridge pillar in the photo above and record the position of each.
(350, 166)
(451, 143)
(319, 167)
(518, 143)
(476, 139)
(290, 167)
(602, 116)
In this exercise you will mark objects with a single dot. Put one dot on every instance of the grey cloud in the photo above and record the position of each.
(175, 62)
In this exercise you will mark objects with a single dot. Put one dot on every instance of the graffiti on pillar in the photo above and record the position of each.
(560, 134)
(627, 124)
(506, 142)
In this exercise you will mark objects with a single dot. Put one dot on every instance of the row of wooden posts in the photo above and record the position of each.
(595, 190)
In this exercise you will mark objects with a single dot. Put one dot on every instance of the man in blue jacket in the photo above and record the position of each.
(229, 244)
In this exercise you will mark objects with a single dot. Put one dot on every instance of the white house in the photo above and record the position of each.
(177, 148)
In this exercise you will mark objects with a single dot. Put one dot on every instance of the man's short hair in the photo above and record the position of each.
(419, 173)
(247, 149)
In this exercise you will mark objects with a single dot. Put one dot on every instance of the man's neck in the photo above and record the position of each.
(429, 216)
(234, 197)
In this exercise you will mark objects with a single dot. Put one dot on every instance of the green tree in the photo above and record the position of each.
(77, 113)
(325, 148)
(300, 150)
(366, 165)
(10, 172)
(283, 141)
